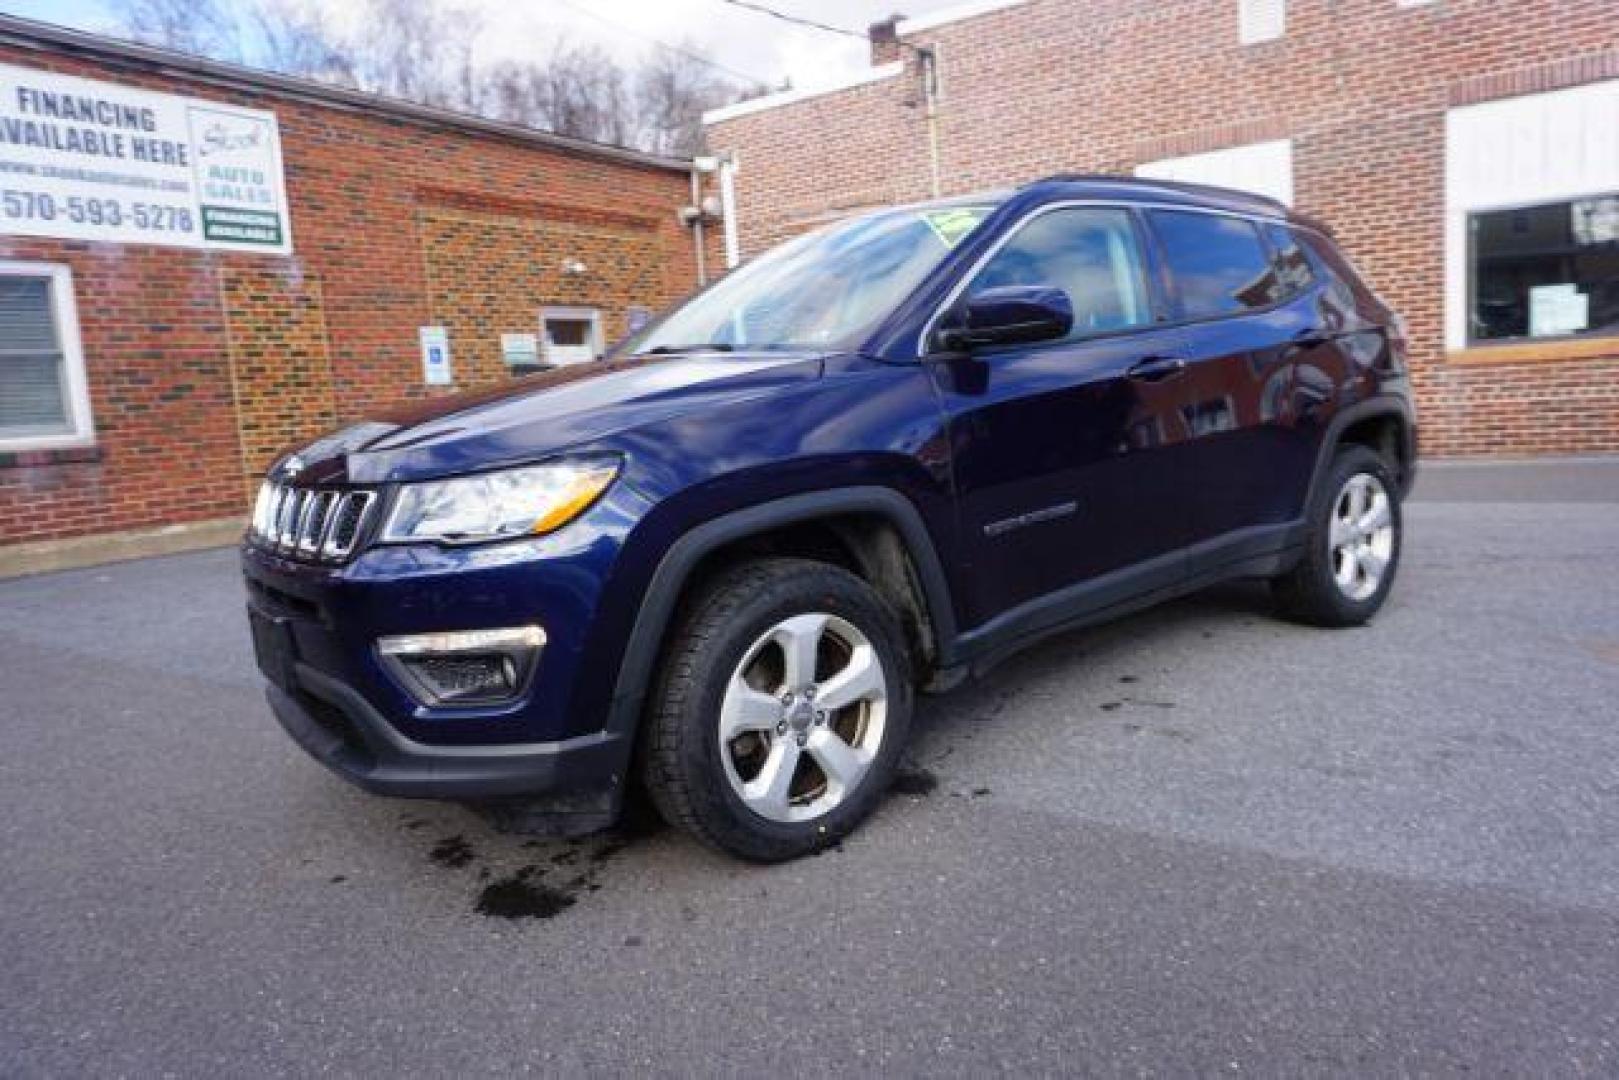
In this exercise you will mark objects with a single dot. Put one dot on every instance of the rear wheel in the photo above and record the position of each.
(1353, 546)
(780, 712)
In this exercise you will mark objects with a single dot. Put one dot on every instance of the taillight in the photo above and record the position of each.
(1399, 342)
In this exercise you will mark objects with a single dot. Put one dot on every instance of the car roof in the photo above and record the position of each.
(1122, 189)
(1173, 192)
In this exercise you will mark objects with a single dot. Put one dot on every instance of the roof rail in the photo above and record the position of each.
(1207, 192)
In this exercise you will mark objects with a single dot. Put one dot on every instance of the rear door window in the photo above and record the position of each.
(1219, 264)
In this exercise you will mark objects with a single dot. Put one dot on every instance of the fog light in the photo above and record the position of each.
(464, 667)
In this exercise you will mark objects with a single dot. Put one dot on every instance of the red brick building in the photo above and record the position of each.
(1465, 151)
(178, 303)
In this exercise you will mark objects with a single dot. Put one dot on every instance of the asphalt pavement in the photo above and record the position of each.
(1198, 840)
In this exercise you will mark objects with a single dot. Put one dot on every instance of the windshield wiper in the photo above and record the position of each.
(710, 346)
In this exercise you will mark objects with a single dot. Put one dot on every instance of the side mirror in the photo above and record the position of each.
(1010, 315)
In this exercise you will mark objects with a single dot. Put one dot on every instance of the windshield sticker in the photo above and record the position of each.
(952, 224)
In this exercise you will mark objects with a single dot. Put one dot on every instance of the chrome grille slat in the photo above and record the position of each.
(295, 513)
(314, 521)
(348, 521)
(306, 512)
(310, 523)
(283, 519)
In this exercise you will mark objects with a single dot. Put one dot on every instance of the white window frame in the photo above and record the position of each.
(1261, 20)
(1521, 152)
(75, 387)
(548, 352)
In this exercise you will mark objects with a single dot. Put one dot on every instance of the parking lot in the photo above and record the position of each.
(1196, 840)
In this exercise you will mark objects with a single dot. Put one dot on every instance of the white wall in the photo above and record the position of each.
(1522, 151)
(1264, 168)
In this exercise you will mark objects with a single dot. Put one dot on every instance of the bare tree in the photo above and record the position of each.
(673, 88)
(417, 50)
(425, 51)
(202, 27)
(576, 90)
(295, 37)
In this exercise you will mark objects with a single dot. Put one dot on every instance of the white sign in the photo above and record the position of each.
(1558, 309)
(520, 350)
(87, 160)
(435, 356)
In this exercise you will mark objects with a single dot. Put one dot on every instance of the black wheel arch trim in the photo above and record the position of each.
(674, 572)
(1382, 405)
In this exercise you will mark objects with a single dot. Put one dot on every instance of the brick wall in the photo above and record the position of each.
(1360, 86)
(203, 365)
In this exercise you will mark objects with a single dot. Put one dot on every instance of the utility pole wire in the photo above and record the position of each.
(799, 20)
(676, 49)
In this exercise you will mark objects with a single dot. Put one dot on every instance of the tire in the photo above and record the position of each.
(761, 793)
(1338, 581)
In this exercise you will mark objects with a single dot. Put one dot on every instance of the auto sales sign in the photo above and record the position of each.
(88, 160)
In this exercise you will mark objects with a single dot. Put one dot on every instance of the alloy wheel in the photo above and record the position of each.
(1362, 536)
(803, 717)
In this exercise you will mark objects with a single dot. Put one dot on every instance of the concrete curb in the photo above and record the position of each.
(17, 560)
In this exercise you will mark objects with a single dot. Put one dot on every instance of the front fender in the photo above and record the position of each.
(641, 613)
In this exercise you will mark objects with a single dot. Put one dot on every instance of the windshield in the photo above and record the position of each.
(827, 289)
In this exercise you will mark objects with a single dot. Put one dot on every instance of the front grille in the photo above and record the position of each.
(320, 525)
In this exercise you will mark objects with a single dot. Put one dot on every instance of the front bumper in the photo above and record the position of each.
(317, 631)
(341, 730)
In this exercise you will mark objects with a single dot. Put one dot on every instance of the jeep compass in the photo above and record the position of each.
(719, 563)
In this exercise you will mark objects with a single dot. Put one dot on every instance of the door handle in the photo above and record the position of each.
(1157, 368)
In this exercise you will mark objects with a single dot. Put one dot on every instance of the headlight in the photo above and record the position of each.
(529, 501)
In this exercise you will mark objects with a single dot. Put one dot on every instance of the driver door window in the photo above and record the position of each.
(1089, 252)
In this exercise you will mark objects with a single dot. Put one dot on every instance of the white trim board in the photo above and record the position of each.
(789, 97)
(953, 13)
(1265, 168)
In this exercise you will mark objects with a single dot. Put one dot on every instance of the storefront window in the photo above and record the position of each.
(1545, 271)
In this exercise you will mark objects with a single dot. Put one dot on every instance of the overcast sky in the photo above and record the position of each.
(746, 42)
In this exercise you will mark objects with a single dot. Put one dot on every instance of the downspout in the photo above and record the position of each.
(733, 249)
(697, 224)
(928, 62)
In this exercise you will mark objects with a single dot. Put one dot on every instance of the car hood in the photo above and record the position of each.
(540, 415)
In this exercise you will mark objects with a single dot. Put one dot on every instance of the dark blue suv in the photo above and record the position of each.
(718, 563)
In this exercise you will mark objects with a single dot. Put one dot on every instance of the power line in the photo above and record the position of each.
(676, 49)
(796, 19)
(799, 20)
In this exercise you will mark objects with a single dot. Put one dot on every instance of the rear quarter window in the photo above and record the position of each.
(1293, 268)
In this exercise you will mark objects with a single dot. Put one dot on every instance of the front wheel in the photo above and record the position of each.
(1352, 548)
(781, 710)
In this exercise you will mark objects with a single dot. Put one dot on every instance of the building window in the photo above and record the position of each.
(570, 335)
(44, 402)
(1544, 271)
(1531, 197)
(1261, 20)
